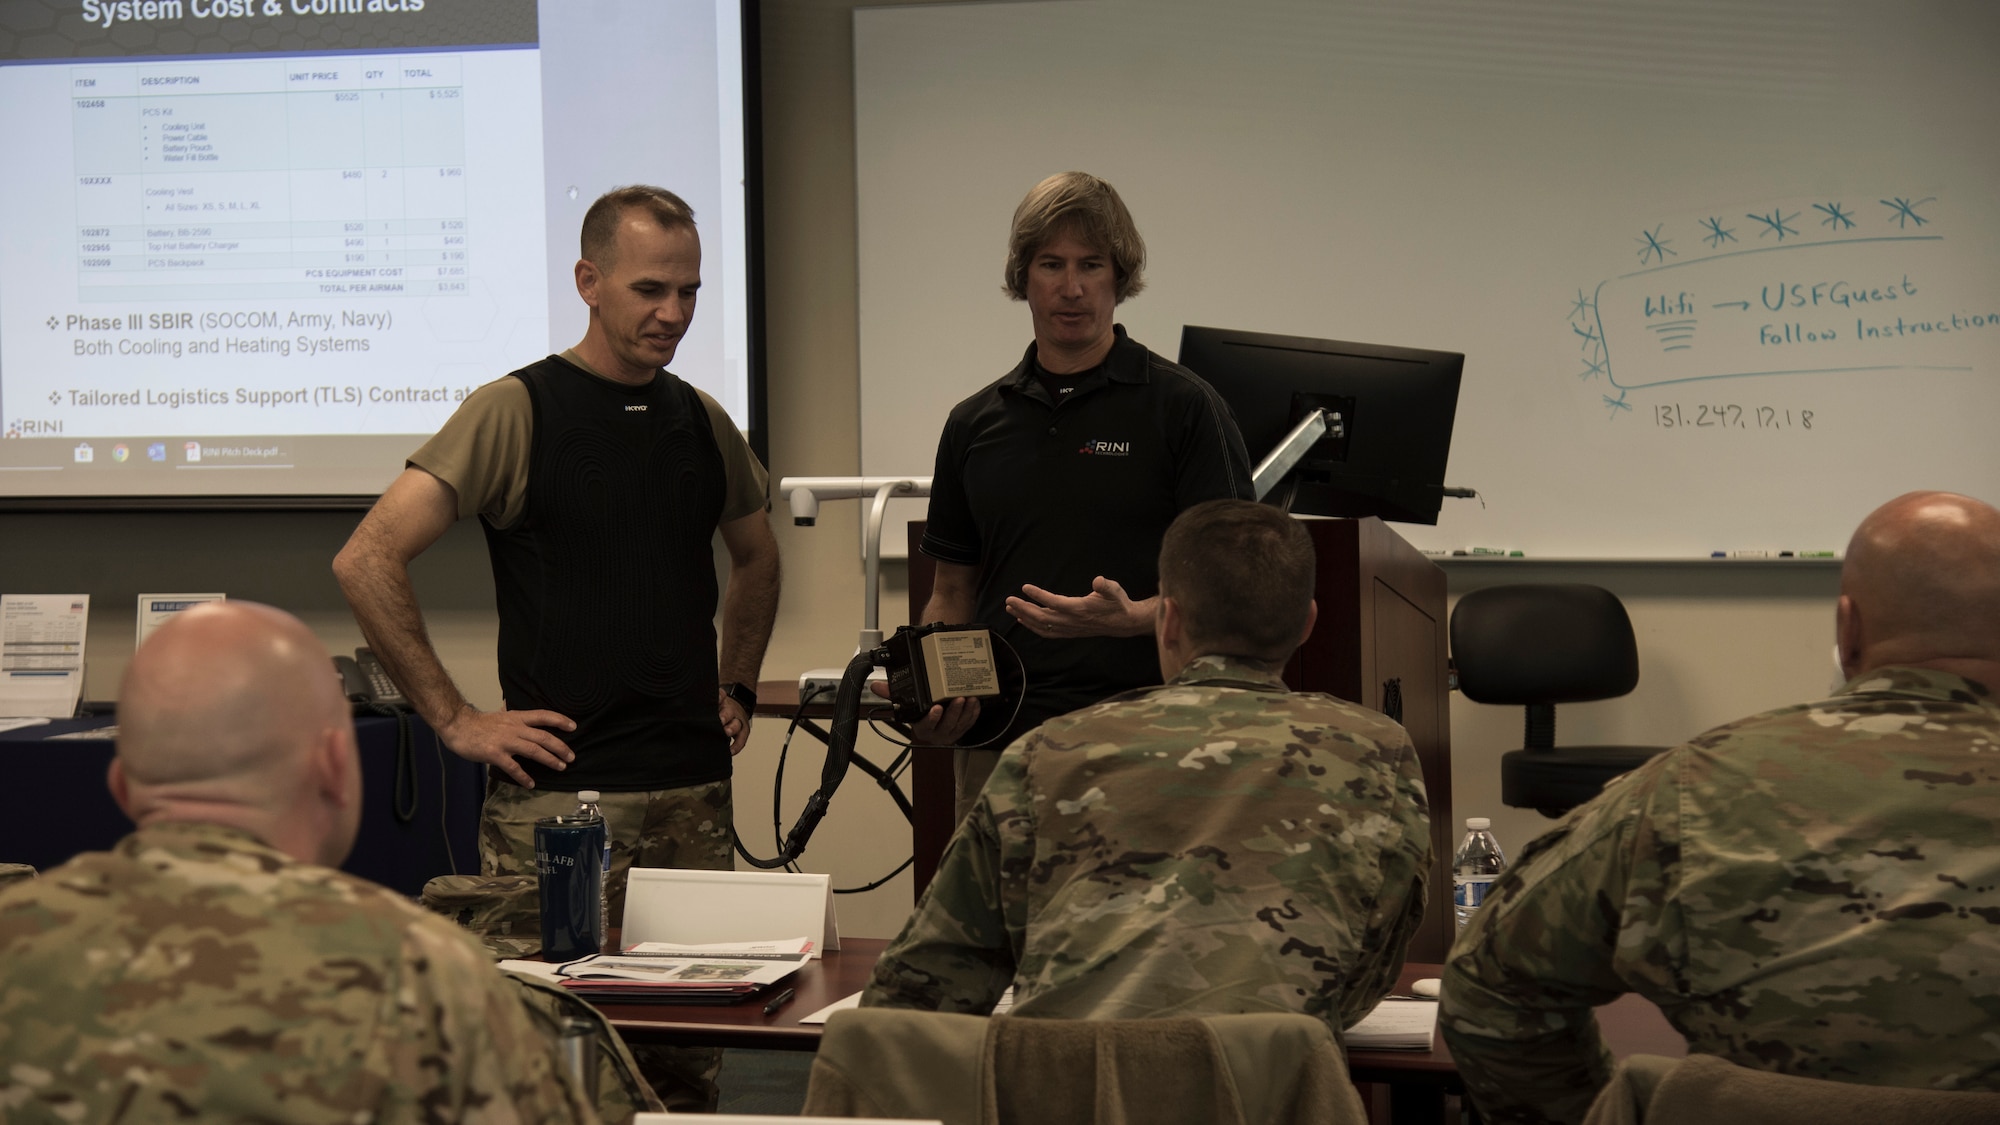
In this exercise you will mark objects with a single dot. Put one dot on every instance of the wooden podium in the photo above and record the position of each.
(1379, 642)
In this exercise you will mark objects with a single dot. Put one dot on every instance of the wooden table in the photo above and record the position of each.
(840, 972)
(1419, 1079)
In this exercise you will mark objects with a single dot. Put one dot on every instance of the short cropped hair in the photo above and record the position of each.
(1242, 575)
(1081, 205)
(600, 223)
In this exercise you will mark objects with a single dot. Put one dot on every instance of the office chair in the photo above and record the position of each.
(1700, 1089)
(1537, 646)
(1254, 1069)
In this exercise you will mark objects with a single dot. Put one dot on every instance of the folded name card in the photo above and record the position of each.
(711, 907)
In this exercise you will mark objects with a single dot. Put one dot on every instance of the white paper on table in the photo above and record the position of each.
(1005, 1005)
(550, 971)
(17, 724)
(841, 1005)
(1396, 1025)
(154, 609)
(88, 734)
(41, 654)
(790, 949)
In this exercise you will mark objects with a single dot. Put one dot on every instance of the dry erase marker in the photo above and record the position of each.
(779, 1001)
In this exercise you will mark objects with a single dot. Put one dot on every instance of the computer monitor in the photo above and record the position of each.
(1396, 406)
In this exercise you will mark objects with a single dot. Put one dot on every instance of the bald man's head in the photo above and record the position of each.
(231, 712)
(1921, 586)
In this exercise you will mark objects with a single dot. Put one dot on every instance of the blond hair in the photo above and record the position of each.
(1080, 205)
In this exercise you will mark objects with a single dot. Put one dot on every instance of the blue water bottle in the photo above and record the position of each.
(569, 863)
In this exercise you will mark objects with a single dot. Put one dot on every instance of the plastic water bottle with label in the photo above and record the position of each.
(1477, 863)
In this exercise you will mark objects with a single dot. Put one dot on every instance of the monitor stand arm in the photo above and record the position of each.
(1293, 448)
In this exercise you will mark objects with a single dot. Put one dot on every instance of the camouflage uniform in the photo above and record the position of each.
(1214, 845)
(193, 973)
(1813, 891)
(686, 827)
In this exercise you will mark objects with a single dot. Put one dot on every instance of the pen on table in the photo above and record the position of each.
(779, 1001)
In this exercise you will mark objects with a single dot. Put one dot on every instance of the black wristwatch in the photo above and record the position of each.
(744, 697)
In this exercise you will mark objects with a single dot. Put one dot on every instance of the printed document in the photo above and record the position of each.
(154, 609)
(41, 654)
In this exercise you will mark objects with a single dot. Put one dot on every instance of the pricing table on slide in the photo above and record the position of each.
(304, 177)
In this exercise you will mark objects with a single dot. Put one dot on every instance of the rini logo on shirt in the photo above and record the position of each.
(1107, 448)
(640, 406)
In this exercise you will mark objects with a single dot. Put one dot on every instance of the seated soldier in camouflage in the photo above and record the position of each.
(1216, 844)
(212, 967)
(1813, 891)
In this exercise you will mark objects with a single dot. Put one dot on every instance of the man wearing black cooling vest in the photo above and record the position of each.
(1055, 484)
(600, 479)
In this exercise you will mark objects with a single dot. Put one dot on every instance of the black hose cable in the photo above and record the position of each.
(866, 887)
(806, 696)
(887, 781)
(839, 754)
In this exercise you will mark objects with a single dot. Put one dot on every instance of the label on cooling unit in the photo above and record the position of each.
(960, 663)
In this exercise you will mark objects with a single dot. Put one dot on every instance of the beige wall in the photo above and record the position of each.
(1715, 643)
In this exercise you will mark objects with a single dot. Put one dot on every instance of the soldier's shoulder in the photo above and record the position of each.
(1343, 715)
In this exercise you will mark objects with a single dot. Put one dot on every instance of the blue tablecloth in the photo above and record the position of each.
(55, 803)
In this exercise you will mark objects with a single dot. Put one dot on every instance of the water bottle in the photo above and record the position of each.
(569, 864)
(1477, 863)
(587, 811)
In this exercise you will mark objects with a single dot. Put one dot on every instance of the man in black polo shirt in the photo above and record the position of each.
(1055, 484)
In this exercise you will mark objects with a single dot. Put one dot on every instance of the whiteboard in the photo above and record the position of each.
(1726, 275)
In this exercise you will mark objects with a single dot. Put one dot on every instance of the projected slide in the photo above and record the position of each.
(267, 248)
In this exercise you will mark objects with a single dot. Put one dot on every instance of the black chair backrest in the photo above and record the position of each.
(1530, 644)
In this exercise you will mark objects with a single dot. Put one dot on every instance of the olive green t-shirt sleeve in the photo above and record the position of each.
(747, 482)
(482, 452)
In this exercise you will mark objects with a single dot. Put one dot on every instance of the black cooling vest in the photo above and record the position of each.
(606, 587)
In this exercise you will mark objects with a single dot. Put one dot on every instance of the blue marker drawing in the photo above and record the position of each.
(1904, 212)
(1850, 333)
(1775, 223)
(1650, 246)
(1785, 249)
(1836, 216)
